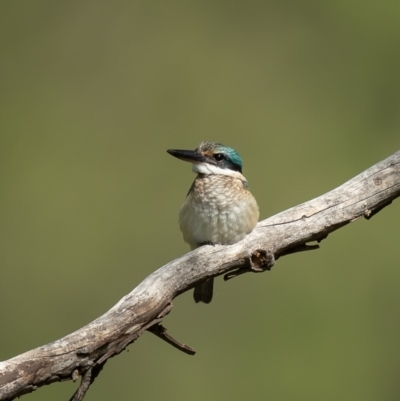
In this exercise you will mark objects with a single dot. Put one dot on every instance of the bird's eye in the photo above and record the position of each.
(218, 157)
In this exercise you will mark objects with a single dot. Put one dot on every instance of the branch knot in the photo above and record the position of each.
(261, 260)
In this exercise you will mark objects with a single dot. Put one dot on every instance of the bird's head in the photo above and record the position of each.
(211, 158)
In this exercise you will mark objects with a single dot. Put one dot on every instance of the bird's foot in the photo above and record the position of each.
(206, 243)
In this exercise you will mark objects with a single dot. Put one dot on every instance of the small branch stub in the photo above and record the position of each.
(261, 260)
(161, 332)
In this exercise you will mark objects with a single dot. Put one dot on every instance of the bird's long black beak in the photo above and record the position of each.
(187, 155)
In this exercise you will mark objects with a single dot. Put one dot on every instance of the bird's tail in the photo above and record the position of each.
(204, 291)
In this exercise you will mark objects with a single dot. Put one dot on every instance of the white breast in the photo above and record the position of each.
(219, 209)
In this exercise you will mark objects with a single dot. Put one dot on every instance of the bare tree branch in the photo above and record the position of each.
(84, 352)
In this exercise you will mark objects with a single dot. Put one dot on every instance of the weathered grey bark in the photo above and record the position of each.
(84, 352)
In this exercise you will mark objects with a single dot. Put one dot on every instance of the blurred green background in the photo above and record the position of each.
(93, 93)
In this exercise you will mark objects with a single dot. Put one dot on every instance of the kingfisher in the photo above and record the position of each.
(219, 208)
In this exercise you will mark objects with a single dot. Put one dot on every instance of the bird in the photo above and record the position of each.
(219, 207)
